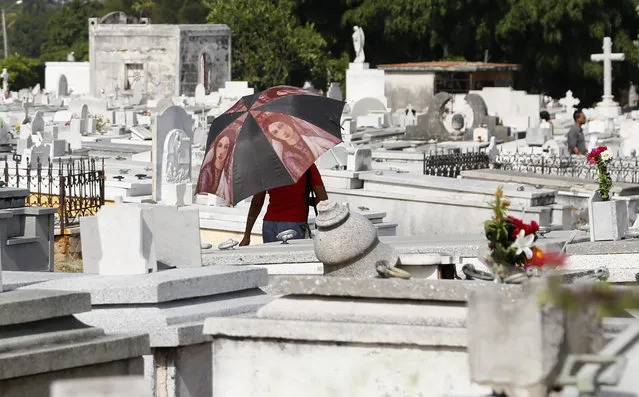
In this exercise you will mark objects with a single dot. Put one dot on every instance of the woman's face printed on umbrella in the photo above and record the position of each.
(222, 151)
(283, 132)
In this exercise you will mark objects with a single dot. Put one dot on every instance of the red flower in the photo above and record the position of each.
(519, 225)
(541, 258)
(595, 153)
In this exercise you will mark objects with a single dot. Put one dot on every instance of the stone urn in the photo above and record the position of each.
(347, 243)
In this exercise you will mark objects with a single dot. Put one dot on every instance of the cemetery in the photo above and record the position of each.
(457, 247)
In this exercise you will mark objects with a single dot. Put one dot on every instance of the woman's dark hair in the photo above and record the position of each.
(544, 115)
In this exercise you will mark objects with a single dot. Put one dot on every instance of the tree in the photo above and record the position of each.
(553, 40)
(23, 71)
(68, 30)
(270, 45)
(162, 11)
(26, 28)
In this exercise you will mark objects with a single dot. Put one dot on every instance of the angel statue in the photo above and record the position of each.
(358, 43)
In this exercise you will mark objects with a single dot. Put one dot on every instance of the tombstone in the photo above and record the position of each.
(171, 153)
(596, 127)
(138, 95)
(63, 86)
(131, 250)
(163, 104)
(480, 135)
(556, 147)
(200, 94)
(335, 92)
(38, 154)
(479, 108)
(111, 386)
(365, 106)
(37, 124)
(537, 136)
(430, 125)
(62, 116)
(569, 103)
(25, 107)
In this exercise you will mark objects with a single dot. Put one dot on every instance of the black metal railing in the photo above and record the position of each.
(621, 169)
(75, 186)
(451, 165)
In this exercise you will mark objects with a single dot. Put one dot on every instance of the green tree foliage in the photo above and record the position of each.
(162, 11)
(68, 30)
(26, 26)
(551, 39)
(23, 71)
(270, 45)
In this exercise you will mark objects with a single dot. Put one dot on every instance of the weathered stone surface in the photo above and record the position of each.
(517, 345)
(441, 290)
(25, 306)
(132, 386)
(163, 286)
(341, 254)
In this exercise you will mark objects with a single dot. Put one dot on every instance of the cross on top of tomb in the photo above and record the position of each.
(569, 101)
(607, 57)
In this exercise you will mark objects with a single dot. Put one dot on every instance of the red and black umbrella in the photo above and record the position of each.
(267, 140)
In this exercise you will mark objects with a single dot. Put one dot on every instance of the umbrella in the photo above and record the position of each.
(267, 140)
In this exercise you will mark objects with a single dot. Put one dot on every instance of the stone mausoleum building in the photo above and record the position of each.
(415, 83)
(161, 60)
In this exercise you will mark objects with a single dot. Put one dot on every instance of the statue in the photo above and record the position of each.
(71, 57)
(177, 148)
(358, 44)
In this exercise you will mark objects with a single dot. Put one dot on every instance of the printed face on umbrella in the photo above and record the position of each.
(267, 140)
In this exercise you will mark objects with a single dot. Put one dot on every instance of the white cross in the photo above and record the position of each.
(607, 57)
(569, 101)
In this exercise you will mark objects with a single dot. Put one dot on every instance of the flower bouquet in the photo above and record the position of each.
(513, 253)
(608, 218)
(601, 156)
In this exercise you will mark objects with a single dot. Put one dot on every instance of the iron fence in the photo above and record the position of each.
(75, 186)
(621, 169)
(451, 163)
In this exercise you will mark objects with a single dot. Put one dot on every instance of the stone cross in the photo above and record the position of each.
(5, 80)
(607, 57)
(569, 101)
(25, 106)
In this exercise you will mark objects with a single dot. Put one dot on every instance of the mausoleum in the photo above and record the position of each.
(416, 82)
(165, 60)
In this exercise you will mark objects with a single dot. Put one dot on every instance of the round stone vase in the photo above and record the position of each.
(347, 243)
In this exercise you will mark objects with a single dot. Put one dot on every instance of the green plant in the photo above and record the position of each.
(100, 122)
(602, 157)
(511, 241)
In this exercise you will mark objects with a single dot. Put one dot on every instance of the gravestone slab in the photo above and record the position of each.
(365, 106)
(200, 93)
(429, 125)
(171, 150)
(130, 250)
(132, 386)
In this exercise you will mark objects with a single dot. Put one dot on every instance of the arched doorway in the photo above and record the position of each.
(63, 86)
(205, 71)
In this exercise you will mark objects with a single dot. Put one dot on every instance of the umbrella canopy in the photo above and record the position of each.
(267, 140)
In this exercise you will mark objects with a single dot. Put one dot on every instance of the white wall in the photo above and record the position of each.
(404, 88)
(77, 74)
(511, 106)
